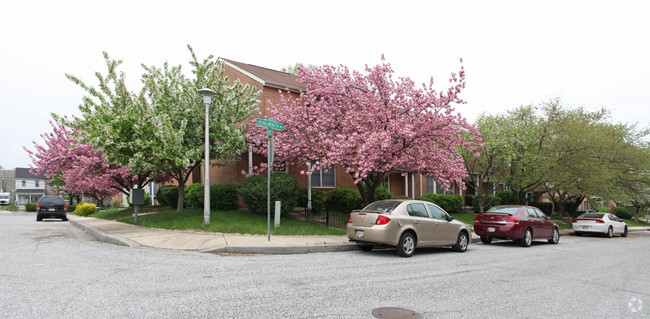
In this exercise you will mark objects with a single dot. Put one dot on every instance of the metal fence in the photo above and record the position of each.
(336, 217)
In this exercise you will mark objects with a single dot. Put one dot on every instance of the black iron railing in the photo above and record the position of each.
(336, 217)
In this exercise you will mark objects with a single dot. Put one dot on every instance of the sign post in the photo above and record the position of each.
(271, 125)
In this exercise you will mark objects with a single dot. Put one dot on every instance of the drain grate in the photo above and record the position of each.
(395, 313)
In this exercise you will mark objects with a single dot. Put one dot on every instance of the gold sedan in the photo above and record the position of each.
(406, 224)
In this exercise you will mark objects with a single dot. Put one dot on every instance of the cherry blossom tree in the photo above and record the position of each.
(78, 169)
(373, 125)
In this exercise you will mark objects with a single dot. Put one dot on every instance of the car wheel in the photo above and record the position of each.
(64, 219)
(486, 239)
(365, 247)
(610, 232)
(555, 238)
(528, 238)
(406, 245)
(39, 218)
(624, 234)
(462, 242)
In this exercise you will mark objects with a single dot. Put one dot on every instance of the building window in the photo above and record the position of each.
(433, 187)
(36, 183)
(324, 177)
(24, 183)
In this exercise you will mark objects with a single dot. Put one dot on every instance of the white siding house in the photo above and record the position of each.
(29, 188)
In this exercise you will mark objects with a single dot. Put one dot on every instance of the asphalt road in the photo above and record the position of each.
(54, 270)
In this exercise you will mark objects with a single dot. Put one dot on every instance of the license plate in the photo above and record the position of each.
(52, 209)
(491, 229)
(586, 227)
(359, 234)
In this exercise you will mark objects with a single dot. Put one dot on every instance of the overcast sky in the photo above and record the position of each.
(589, 53)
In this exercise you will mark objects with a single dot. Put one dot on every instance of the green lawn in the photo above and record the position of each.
(237, 221)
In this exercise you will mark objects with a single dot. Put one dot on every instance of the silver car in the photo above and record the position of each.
(406, 224)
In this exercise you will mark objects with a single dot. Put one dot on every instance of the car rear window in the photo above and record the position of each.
(51, 201)
(592, 215)
(384, 206)
(504, 210)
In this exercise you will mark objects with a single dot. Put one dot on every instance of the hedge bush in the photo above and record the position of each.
(383, 193)
(507, 197)
(193, 195)
(168, 195)
(317, 199)
(223, 197)
(30, 207)
(283, 188)
(85, 209)
(344, 197)
(622, 212)
(450, 203)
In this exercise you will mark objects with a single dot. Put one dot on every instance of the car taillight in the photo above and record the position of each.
(575, 220)
(350, 219)
(477, 218)
(382, 220)
(598, 221)
(65, 208)
(512, 220)
(38, 207)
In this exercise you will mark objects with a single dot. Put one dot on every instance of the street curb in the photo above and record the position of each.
(281, 250)
(104, 237)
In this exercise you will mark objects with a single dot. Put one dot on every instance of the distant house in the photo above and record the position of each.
(271, 82)
(28, 187)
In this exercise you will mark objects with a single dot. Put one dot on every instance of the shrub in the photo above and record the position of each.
(622, 212)
(283, 188)
(603, 210)
(193, 195)
(489, 202)
(344, 197)
(507, 197)
(116, 204)
(450, 203)
(30, 207)
(223, 197)
(71, 208)
(168, 195)
(85, 209)
(317, 199)
(383, 193)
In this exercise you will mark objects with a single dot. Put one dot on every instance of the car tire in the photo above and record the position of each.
(39, 218)
(555, 237)
(462, 242)
(528, 238)
(624, 234)
(610, 233)
(486, 239)
(64, 219)
(365, 247)
(406, 245)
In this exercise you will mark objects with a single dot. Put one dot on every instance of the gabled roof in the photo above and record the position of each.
(23, 173)
(268, 77)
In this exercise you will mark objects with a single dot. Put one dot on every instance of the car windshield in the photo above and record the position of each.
(383, 206)
(503, 210)
(592, 215)
(51, 201)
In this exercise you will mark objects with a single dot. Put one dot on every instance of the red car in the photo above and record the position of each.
(522, 224)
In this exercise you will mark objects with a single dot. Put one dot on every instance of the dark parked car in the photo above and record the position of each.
(519, 223)
(51, 207)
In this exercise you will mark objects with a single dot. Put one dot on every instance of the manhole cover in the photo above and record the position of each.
(395, 313)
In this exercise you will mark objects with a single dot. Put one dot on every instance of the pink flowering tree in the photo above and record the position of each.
(78, 169)
(372, 125)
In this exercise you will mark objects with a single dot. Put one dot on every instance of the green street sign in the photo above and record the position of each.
(270, 124)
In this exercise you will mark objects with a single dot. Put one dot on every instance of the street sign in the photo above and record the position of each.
(270, 124)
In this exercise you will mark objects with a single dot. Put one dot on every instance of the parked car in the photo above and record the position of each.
(601, 223)
(519, 223)
(51, 207)
(406, 224)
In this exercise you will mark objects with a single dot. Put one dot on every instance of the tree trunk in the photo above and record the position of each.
(181, 196)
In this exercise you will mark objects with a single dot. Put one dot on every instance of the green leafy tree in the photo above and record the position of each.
(162, 128)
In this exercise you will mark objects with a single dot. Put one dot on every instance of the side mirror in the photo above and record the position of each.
(450, 218)
(547, 217)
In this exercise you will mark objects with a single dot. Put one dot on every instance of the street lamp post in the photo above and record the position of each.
(207, 98)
